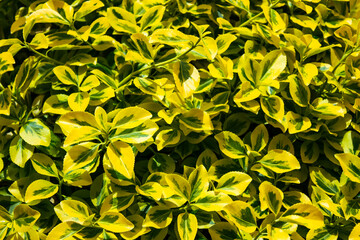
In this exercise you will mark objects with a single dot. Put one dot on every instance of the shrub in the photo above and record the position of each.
(180, 119)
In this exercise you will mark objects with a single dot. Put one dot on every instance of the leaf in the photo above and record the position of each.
(161, 162)
(40, 189)
(130, 117)
(324, 180)
(80, 156)
(221, 68)
(158, 217)
(223, 42)
(20, 151)
(309, 152)
(225, 230)
(6, 62)
(57, 104)
(270, 67)
(24, 218)
(270, 197)
(99, 190)
(72, 120)
(122, 159)
(187, 225)
(273, 106)
(297, 123)
(350, 164)
(89, 83)
(199, 183)
(322, 233)
(73, 211)
(151, 189)
(87, 8)
(242, 215)
(44, 165)
(5, 101)
(36, 133)
(197, 119)
(170, 37)
(167, 137)
(206, 158)
(211, 201)
(326, 109)
(139, 134)
(304, 214)
(259, 138)
(308, 72)
(115, 222)
(299, 92)
(150, 87)
(64, 231)
(247, 93)
(81, 134)
(280, 161)
(105, 78)
(152, 17)
(143, 45)
(78, 177)
(179, 185)
(231, 145)
(210, 47)
(281, 141)
(351, 142)
(117, 202)
(40, 41)
(233, 183)
(122, 20)
(187, 78)
(138, 229)
(66, 75)
(355, 233)
(79, 101)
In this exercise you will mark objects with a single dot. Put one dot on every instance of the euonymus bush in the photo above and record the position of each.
(180, 119)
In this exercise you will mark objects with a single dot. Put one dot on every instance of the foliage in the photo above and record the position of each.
(180, 119)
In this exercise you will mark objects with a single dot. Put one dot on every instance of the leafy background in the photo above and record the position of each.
(179, 119)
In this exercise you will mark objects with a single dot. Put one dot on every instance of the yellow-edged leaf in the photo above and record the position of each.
(187, 225)
(122, 20)
(20, 151)
(304, 214)
(24, 218)
(280, 161)
(179, 185)
(197, 119)
(158, 217)
(350, 164)
(273, 106)
(211, 201)
(233, 183)
(242, 215)
(139, 134)
(297, 123)
(114, 222)
(167, 137)
(40, 189)
(161, 162)
(259, 138)
(79, 101)
(72, 120)
(81, 134)
(44, 165)
(187, 78)
(130, 117)
(56, 104)
(231, 145)
(35, 133)
(270, 197)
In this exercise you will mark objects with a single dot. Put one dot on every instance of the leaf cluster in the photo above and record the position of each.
(180, 119)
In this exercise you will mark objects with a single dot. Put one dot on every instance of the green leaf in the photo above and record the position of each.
(324, 180)
(187, 225)
(259, 138)
(115, 222)
(36, 133)
(20, 151)
(167, 137)
(273, 106)
(24, 218)
(299, 92)
(199, 183)
(197, 119)
(139, 134)
(56, 104)
(87, 8)
(158, 217)
(350, 165)
(242, 215)
(233, 183)
(40, 189)
(152, 17)
(270, 197)
(231, 145)
(280, 161)
(66, 75)
(211, 201)
(44, 165)
(130, 117)
(64, 231)
(161, 162)
(309, 152)
(304, 214)
(270, 67)
(179, 185)
(122, 20)
(187, 78)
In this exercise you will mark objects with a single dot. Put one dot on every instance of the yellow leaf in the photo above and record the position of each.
(79, 101)
(115, 222)
(233, 183)
(304, 214)
(242, 215)
(187, 225)
(270, 197)
(187, 78)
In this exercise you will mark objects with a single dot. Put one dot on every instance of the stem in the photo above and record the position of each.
(43, 56)
(259, 234)
(256, 16)
(126, 79)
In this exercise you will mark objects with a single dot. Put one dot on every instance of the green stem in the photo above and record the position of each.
(126, 79)
(43, 55)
